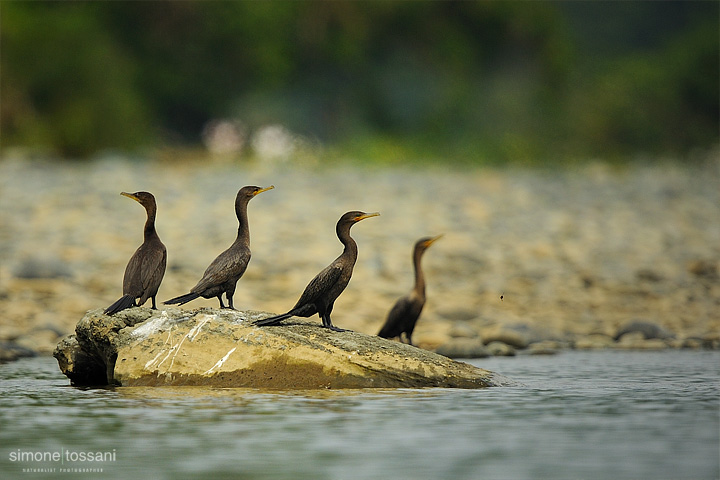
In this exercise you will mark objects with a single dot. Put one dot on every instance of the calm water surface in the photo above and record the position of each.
(579, 415)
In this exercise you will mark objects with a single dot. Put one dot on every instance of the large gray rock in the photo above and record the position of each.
(649, 330)
(143, 347)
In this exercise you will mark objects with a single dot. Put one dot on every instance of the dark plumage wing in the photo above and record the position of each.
(152, 271)
(132, 280)
(403, 316)
(145, 270)
(395, 322)
(322, 285)
(229, 265)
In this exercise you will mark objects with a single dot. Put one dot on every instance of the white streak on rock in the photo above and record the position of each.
(191, 335)
(152, 362)
(221, 361)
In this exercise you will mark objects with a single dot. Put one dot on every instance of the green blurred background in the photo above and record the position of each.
(381, 81)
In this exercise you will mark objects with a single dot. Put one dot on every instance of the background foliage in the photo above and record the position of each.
(459, 81)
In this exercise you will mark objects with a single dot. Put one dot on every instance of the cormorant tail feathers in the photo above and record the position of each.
(126, 301)
(182, 299)
(272, 320)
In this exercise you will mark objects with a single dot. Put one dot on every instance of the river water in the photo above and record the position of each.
(578, 415)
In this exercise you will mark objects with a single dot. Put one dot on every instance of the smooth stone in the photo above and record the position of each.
(500, 349)
(10, 351)
(637, 341)
(222, 348)
(458, 314)
(595, 341)
(41, 340)
(34, 268)
(692, 343)
(711, 340)
(704, 268)
(649, 330)
(508, 337)
(463, 348)
(462, 330)
(547, 347)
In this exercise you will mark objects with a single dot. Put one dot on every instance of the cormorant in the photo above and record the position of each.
(322, 291)
(224, 272)
(146, 267)
(404, 314)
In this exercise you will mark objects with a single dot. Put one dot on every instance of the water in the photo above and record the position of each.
(580, 415)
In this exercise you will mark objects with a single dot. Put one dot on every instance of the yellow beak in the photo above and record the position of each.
(367, 215)
(130, 195)
(433, 240)
(264, 190)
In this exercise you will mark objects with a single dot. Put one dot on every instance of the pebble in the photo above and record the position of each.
(507, 337)
(648, 330)
(637, 341)
(10, 351)
(593, 342)
(462, 330)
(548, 347)
(500, 349)
(463, 348)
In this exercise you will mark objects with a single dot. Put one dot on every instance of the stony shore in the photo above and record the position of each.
(531, 260)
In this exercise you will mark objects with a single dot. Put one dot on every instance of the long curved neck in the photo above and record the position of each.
(243, 235)
(149, 230)
(419, 277)
(343, 233)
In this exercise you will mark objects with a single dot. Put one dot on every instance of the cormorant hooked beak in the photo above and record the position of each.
(130, 195)
(367, 215)
(433, 240)
(264, 190)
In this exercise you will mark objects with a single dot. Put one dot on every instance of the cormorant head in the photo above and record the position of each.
(250, 191)
(356, 216)
(146, 199)
(425, 242)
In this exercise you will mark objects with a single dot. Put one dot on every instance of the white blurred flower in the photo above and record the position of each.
(274, 142)
(223, 136)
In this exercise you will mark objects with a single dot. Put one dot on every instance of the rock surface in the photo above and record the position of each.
(143, 347)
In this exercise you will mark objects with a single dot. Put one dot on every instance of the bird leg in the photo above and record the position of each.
(327, 323)
(230, 301)
(229, 293)
(222, 305)
(154, 307)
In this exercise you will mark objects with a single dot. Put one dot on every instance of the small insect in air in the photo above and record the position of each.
(501, 297)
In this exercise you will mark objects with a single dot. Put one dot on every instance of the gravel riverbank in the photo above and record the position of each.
(529, 258)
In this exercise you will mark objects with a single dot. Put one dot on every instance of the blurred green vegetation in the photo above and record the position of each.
(386, 81)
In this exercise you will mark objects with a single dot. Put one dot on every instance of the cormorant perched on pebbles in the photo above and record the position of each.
(146, 267)
(322, 291)
(405, 313)
(224, 272)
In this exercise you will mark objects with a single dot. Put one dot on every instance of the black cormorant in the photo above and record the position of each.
(322, 291)
(224, 272)
(146, 267)
(404, 314)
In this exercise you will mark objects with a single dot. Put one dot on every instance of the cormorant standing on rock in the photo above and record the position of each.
(224, 272)
(404, 314)
(146, 267)
(322, 291)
